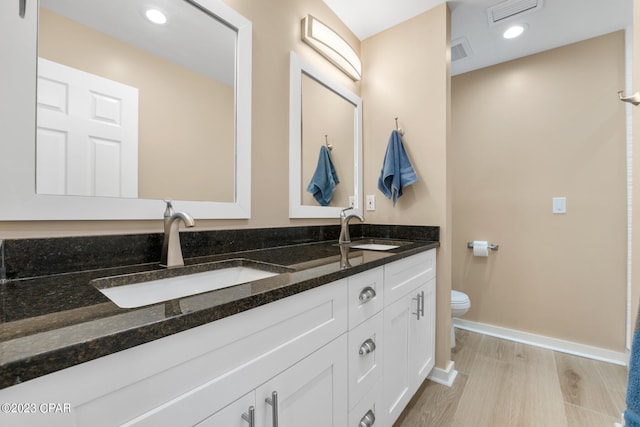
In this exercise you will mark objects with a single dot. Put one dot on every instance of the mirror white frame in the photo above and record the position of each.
(299, 66)
(18, 199)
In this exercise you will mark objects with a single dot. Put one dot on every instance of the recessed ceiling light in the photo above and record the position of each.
(513, 32)
(155, 16)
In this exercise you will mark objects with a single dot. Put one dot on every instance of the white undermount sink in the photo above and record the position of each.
(141, 293)
(375, 246)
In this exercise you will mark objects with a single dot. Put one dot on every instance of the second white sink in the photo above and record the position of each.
(375, 247)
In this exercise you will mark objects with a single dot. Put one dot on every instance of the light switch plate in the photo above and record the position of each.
(559, 205)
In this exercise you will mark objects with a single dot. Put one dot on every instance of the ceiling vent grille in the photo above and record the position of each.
(503, 11)
(460, 49)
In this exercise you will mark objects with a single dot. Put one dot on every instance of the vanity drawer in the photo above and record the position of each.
(372, 401)
(407, 274)
(365, 295)
(365, 358)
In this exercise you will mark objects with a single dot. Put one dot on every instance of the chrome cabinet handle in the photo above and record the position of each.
(367, 294)
(417, 313)
(422, 303)
(368, 420)
(273, 401)
(250, 416)
(23, 8)
(367, 347)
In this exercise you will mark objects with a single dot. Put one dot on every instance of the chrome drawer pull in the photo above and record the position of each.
(367, 347)
(368, 420)
(23, 8)
(273, 401)
(367, 294)
(420, 307)
(250, 416)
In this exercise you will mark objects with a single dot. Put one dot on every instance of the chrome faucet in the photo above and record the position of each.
(171, 249)
(344, 225)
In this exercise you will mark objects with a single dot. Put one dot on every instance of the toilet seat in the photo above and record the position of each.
(459, 299)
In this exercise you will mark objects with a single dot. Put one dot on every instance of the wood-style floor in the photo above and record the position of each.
(507, 384)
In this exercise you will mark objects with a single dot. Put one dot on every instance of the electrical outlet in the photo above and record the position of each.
(371, 202)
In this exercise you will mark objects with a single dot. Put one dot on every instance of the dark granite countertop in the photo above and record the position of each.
(55, 321)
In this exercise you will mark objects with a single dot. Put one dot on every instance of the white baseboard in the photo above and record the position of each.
(596, 353)
(444, 376)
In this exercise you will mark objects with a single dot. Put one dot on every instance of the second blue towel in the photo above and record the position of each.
(397, 172)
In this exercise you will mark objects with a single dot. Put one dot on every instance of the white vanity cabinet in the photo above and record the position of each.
(409, 330)
(210, 370)
(349, 353)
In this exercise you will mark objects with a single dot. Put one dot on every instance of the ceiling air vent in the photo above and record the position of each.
(503, 11)
(460, 49)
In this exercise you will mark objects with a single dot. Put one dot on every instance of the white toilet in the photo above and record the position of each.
(460, 304)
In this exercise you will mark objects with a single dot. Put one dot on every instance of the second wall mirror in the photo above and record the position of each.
(324, 119)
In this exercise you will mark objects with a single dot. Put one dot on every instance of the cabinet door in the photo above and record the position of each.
(231, 416)
(422, 336)
(409, 348)
(395, 357)
(312, 393)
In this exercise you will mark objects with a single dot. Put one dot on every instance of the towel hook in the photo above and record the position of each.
(633, 99)
(326, 141)
(400, 130)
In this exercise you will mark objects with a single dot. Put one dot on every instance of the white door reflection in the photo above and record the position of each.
(87, 134)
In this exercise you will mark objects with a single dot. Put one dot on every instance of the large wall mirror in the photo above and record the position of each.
(325, 129)
(131, 112)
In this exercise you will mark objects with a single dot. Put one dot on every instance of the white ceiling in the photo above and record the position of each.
(557, 23)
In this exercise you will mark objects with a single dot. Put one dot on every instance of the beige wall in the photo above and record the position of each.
(185, 119)
(406, 75)
(524, 132)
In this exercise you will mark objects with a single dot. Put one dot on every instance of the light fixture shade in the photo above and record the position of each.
(330, 45)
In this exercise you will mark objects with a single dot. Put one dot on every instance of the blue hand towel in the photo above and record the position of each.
(397, 171)
(325, 179)
(632, 413)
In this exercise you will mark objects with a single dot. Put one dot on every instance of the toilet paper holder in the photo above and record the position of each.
(490, 246)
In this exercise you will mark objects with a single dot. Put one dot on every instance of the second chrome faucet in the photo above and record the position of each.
(171, 249)
(344, 225)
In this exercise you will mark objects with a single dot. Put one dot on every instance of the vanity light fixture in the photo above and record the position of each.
(156, 16)
(513, 31)
(330, 45)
